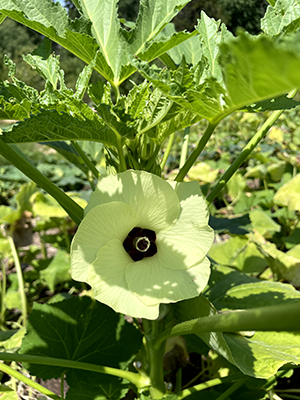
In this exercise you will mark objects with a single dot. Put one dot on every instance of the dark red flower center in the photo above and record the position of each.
(140, 243)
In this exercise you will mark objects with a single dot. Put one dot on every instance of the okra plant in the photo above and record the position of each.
(142, 240)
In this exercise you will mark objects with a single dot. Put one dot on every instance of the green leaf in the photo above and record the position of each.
(58, 271)
(197, 308)
(240, 253)
(210, 38)
(69, 153)
(203, 173)
(190, 48)
(45, 63)
(49, 126)
(9, 215)
(90, 385)
(281, 16)
(79, 329)
(263, 223)
(106, 29)
(237, 225)
(265, 352)
(286, 265)
(256, 69)
(45, 206)
(289, 194)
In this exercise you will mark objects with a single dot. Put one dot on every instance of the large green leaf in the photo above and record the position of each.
(49, 126)
(254, 69)
(106, 29)
(116, 45)
(78, 329)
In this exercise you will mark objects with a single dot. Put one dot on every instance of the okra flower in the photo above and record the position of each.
(143, 241)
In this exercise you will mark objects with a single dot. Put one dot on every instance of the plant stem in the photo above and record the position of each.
(20, 279)
(20, 161)
(86, 160)
(155, 359)
(185, 145)
(208, 384)
(122, 162)
(246, 151)
(135, 378)
(232, 389)
(62, 385)
(167, 152)
(284, 317)
(17, 375)
(3, 292)
(195, 154)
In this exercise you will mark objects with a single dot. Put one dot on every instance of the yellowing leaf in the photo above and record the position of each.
(289, 194)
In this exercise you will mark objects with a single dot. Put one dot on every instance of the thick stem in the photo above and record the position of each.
(246, 152)
(16, 158)
(155, 359)
(284, 317)
(20, 280)
(195, 154)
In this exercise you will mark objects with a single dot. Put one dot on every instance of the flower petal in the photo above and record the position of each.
(190, 238)
(153, 199)
(107, 278)
(104, 222)
(154, 284)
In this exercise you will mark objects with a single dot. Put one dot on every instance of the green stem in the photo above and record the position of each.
(62, 385)
(20, 279)
(155, 359)
(246, 152)
(18, 159)
(152, 159)
(86, 160)
(132, 377)
(195, 154)
(284, 317)
(3, 292)
(122, 162)
(205, 385)
(185, 145)
(116, 92)
(167, 152)
(17, 375)
(232, 389)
